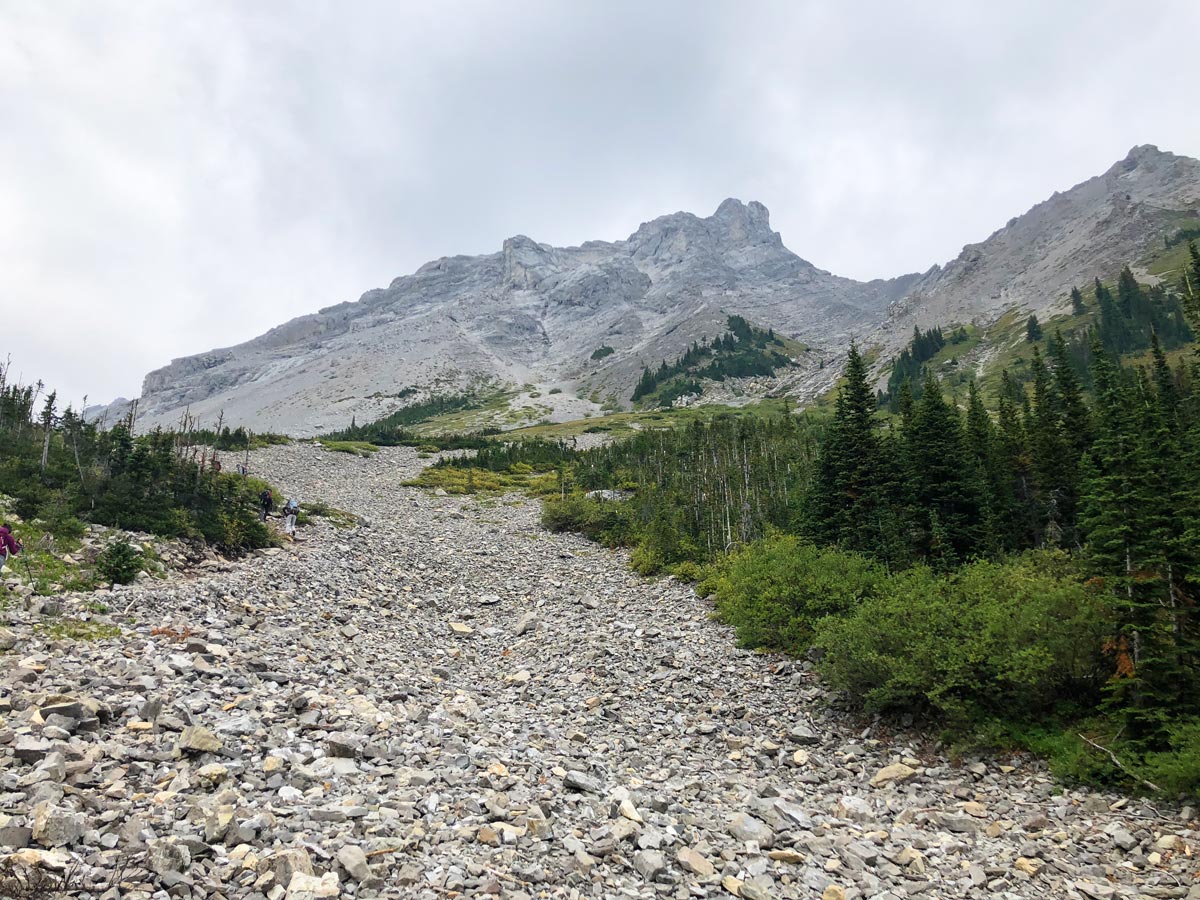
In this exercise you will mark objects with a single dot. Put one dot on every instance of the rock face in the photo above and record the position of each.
(340, 740)
(532, 313)
(529, 313)
(1091, 230)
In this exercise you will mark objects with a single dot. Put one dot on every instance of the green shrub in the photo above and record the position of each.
(601, 352)
(1177, 769)
(1015, 641)
(776, 590)
(608, 522)
(119, 563)
(555, 390)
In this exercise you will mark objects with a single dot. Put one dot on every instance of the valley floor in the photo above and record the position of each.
(449, 701)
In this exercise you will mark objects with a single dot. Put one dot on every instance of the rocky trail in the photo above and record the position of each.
(449, 701)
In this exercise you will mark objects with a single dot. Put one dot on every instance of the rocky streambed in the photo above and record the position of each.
(448, 701)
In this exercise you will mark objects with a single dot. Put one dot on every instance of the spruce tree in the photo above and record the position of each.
(1077, 307)
(944, 493)
(847, 502)
(1033, 330)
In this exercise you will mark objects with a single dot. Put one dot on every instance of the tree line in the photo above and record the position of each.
(65, 471)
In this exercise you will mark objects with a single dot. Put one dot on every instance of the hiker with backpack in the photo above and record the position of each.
(268, 503)
(291, 510)
(9, 545)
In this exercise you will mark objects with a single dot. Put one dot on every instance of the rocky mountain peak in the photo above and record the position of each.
(531, 313)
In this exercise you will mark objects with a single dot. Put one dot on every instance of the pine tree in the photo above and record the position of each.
(847, 504)
(1121, 518)
(1033, 330)
(1048, 451)
(1077, 307)
(943, 491)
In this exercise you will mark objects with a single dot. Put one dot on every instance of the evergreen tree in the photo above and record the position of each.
(1077, 307)
(848, 504)
(946, 498)
(1033, 330)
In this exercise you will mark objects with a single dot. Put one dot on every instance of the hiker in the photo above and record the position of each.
(9, 545)
(267, 501)
(291, 510)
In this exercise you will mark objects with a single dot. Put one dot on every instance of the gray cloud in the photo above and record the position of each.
(178, 176)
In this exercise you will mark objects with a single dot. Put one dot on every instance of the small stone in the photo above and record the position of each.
(198, 739)
(30, 749)
(1094, 890)
(461, 628)
(629, 811)
(212, 774)
(958, 824)
(787, 855)
(310, 887)
(803, 735)
(286, 864)
(745, 827)
(578, 781)
(354, 860)
(1026, 865)
(833, 892)
(975, 809)
(692, 861)
(893, 774)
(166, 856)
(56, 826)
(1123, 839)
(526, 624)
(650, 863)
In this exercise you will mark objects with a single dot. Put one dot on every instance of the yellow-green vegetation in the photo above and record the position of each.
(627, 423)
(69, 628)
(43, 561)
(355, 448)
(339, 518)
(455, 480)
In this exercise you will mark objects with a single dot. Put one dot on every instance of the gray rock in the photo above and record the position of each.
(746, 827)
(354, 860)
(652, 864)
(30, 749)
(166, 855)
(579, 781)
(56, 826)
(197, 739)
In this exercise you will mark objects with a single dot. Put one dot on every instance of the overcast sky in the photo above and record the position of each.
(181, 176)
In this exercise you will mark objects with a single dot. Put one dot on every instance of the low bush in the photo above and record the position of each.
(119, 563)
(775, 591)
(606, 521)
(1017, 641)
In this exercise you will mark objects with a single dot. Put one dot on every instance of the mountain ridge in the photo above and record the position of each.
(532, 313)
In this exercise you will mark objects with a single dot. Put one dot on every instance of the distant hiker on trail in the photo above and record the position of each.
(9, 545)
(216, 465)
(291, 510)
(268, 503)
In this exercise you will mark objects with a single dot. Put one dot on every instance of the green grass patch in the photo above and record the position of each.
(356, 448)
(454, 480)
(68, 628)
(339, 518)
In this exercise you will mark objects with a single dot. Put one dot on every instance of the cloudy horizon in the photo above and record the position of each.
(176, 177)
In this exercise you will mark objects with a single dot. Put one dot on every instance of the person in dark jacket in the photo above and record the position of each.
(9, 546)
(268, 503)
